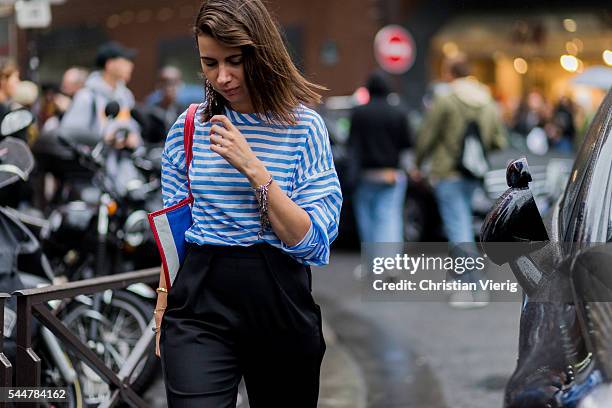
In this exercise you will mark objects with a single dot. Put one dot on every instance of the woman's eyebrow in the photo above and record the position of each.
(228, 57)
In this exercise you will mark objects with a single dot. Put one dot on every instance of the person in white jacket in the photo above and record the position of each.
(86, 121)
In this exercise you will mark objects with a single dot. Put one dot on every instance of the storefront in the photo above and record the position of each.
(516, 54)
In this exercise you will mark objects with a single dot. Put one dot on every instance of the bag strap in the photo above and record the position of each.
(94, 108)
(188, 130)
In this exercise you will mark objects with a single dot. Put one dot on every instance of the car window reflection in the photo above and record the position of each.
(573, 206)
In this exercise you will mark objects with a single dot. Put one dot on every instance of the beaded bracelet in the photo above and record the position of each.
(261, 194)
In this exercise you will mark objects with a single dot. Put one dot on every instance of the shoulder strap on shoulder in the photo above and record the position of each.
(188, 130)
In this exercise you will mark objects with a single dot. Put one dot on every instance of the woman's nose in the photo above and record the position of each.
(224, 75)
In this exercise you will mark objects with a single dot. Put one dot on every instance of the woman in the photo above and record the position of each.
(267, 203)
(12, 195)
(9, 79)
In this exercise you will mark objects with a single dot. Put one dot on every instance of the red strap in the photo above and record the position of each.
(188, 130)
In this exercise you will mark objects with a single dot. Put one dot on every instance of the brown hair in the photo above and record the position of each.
(275, 85)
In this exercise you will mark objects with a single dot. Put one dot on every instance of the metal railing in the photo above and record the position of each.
(33, 303)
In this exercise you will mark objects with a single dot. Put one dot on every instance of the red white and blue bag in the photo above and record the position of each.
(170, 224)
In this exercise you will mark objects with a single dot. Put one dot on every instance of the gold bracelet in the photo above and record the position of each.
(159, 309)
(160, 290)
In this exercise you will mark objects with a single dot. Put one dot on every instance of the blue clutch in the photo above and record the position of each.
(170, 224)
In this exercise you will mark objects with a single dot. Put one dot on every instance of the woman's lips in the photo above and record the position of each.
(232, 92)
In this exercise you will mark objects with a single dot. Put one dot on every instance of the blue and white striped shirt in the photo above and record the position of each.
(225, 210)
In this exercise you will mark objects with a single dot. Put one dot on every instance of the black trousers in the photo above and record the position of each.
(241, 312)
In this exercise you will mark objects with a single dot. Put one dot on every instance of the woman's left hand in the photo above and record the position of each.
(227, 141)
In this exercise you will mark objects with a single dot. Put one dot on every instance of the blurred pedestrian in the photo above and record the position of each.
(266, 204)
(26, 94)
(468, 107)
(9, 80)
(25, 97)
(55, 100)
(55, 162)
(16, 94)
(46, 107)
(533, 112)
(164, 99)
(379, 132)
(562, 131)
(85, 120)
(73, 80)
(19, 192)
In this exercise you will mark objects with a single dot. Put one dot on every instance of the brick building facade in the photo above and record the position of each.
(331, 40)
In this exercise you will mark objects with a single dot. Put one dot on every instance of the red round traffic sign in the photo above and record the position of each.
(394, 49)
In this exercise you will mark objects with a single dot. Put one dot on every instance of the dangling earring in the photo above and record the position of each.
(212, 103)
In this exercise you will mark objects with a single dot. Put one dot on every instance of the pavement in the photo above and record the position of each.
(342, 381)
(420, 354)
(404, 354)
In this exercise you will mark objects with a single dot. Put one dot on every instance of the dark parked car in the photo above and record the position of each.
(564, 268)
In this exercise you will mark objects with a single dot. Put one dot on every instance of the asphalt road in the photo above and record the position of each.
(419, 354)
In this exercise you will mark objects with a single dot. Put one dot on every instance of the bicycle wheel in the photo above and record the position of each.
(121, 322)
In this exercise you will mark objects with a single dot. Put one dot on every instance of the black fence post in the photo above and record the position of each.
(6, 368)
(28, 374)
(31, 304)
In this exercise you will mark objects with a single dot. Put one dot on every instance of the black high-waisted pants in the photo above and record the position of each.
(241, 311)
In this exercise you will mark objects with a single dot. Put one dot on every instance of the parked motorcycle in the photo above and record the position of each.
(16, 240)
(122, 187)
(110, 323)
(106, 233)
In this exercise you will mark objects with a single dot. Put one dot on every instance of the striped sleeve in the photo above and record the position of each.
(173, 166)
(316, 189)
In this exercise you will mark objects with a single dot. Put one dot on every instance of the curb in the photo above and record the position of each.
(342, 381)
